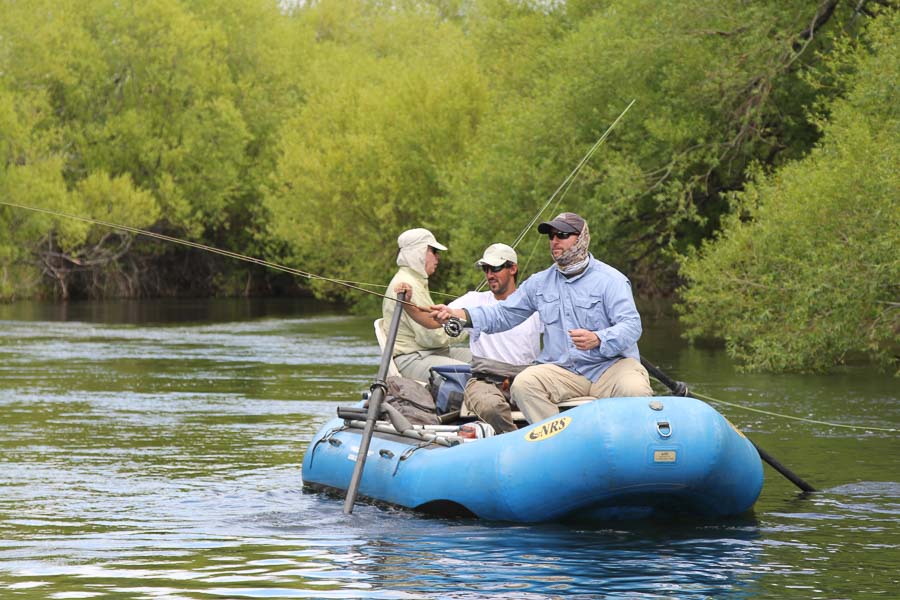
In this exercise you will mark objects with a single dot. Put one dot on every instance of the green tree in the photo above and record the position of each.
(180, 99)
(313, 133)
(712, 83)
(805, 272)
(31, 163)
(392, 99)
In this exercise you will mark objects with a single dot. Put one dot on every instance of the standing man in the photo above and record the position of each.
(591, 325)
(498, 357)
(418, 348)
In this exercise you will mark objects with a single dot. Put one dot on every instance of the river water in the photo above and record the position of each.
(153, 449)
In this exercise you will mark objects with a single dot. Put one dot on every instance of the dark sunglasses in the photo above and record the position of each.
(487, 268)
(562, 235)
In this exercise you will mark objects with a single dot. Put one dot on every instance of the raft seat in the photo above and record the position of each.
(379, 335)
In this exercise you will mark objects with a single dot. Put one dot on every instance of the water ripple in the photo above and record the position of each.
(163, 462)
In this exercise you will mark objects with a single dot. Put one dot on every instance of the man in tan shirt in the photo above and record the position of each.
(419, 348)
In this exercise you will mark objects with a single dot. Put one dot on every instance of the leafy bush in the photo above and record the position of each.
(805, 273)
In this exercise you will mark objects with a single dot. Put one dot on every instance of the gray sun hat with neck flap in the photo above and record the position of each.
(417, 237)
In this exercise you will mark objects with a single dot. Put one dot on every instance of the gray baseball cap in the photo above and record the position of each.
(566, 222)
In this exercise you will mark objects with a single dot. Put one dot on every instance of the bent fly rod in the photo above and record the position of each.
(250, 259)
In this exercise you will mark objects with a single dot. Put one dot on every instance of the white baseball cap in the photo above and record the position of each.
(416, 237)
(496, 255)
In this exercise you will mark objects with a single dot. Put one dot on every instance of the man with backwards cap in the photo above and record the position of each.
(591, 325)
(418, 348)
(498, 357)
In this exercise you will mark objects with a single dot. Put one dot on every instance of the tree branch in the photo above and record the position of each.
(822, 16)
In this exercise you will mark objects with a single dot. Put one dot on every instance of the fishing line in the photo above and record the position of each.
(258, 261)
(354, 285)
(567, 182)
(562, 190)
(791, 417)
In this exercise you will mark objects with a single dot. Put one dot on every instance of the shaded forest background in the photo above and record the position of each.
(755, 179)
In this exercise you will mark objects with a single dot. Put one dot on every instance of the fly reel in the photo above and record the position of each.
(453, 327)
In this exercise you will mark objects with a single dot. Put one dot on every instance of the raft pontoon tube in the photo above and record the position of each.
(606, 459)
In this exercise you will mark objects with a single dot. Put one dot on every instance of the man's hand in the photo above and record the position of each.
(584, 339)
(403, 287)
(442, 313)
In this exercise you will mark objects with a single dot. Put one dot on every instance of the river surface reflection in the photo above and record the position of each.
(152, 450)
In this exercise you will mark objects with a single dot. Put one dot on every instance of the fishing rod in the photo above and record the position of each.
(564, 187)
(257, 261)
(567, 182)
(453, 327)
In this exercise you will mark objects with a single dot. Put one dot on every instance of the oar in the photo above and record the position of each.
(680, 389)
(378, 390)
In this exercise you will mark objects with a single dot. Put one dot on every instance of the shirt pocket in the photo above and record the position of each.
(548, 306)
(589, 312)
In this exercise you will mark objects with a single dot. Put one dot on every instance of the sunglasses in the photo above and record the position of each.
(487, 268)
(561, 235)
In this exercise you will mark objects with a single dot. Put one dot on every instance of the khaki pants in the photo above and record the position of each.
(538, 389)
(491, 405)
(416, 365)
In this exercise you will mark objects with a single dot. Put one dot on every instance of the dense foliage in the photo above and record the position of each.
(808, 272)
(311, 134)
(152, 114)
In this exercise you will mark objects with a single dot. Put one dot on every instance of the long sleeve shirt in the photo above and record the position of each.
(519, 346)
(599, 299)
(412, 337)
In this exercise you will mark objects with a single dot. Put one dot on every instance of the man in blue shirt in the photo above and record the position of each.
(591, 326)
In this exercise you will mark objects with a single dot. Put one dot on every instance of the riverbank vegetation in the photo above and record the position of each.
(754, 179)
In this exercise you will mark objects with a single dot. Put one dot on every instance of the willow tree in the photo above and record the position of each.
(717, 87)
(176, 100)
(47, 56)
(393, 97)
(805, 273)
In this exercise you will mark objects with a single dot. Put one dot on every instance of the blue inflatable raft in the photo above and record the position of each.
(606, 459)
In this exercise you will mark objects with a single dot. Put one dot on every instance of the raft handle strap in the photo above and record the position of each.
(325, 438)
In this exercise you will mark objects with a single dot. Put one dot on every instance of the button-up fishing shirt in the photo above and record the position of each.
(598, 299)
